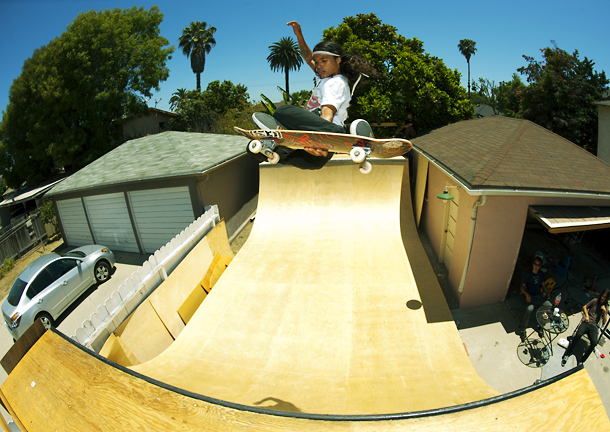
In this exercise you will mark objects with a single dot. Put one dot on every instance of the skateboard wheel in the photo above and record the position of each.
(366, 167)
(255, 146)
(275, 158)
(358, 155)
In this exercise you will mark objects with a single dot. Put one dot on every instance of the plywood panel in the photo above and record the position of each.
(146, 336)
(171, 294)
(191, 304)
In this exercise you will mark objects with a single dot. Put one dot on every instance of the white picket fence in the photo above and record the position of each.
(108, 317)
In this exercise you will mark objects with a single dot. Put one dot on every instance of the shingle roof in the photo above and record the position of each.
(167, 154)
(502, 152)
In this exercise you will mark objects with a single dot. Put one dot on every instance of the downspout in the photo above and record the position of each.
(473, 220)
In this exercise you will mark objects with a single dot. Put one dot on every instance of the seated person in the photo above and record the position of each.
(409, 129)
(531, 286)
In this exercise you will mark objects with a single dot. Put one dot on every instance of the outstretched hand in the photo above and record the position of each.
(296, 27)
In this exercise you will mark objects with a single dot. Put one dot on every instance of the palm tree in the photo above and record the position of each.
(285, 56)
(177, 97)
(197, 41)
(467, 48)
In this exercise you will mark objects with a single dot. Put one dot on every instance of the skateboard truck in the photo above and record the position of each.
(359, 155)
(266, 147)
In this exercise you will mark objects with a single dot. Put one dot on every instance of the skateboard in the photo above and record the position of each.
(358, 147)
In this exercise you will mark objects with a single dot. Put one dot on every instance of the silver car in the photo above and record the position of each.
(49, 285)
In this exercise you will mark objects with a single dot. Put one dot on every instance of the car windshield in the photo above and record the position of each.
(16, 291)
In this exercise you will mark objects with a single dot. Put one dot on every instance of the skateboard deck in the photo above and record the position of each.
(358, 147)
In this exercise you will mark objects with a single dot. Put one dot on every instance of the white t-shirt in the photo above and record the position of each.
(332, 91)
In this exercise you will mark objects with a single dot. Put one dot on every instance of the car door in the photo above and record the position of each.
(47, 292)
(70, 276)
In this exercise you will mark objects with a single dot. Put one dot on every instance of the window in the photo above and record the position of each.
(62, 266)
(43, 280)
(16, 291)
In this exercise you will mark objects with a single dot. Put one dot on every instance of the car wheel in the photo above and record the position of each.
(102, 271)
(46, 319)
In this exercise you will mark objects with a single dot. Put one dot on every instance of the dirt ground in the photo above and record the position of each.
(7, 281)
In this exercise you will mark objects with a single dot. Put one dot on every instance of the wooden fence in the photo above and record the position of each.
(21, 236)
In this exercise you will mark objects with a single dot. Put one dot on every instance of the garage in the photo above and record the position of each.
(76, 228)
(157, 224)
(139, 196)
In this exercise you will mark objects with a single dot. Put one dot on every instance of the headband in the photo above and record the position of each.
(326, 52)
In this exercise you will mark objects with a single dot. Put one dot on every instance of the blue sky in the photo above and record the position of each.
(503, 32)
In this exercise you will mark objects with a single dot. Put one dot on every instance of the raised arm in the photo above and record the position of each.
(305, 51)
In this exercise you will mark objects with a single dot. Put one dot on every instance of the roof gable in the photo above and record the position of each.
(167, 154)
(502, 152)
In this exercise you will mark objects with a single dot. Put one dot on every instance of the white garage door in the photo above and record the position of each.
(160, 214)
(74, 222)
(110, 221)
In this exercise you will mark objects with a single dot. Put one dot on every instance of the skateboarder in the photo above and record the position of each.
(339, 74)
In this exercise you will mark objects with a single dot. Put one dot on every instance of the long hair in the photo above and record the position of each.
(605, 293)
(352, 66)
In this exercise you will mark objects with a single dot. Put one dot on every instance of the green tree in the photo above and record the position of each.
(559, 95)
(200, 111)
(197, 41)
(408, 78)
(486, 92)
(66, 107)
(285, 56)
(221, 97)
(509, 96)
(176, 98)
(467, 49)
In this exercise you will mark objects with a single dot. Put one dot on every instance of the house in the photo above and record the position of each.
(18, 204)
(603, 128)
(142, 125)
(499, 171)
(140, 195)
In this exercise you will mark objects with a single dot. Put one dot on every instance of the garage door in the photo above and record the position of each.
(74, 222)
(110, 221)
(160, 214)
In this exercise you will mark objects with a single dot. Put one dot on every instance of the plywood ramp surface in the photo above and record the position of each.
(59, 387)
(312, 314)
(321, 312)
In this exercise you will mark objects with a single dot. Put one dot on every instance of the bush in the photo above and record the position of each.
(6, 267)
(47, 213)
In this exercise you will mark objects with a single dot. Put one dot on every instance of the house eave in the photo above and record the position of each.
(509, 191)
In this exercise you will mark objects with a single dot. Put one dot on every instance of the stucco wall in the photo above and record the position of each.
(497, 238)
(603, 138)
